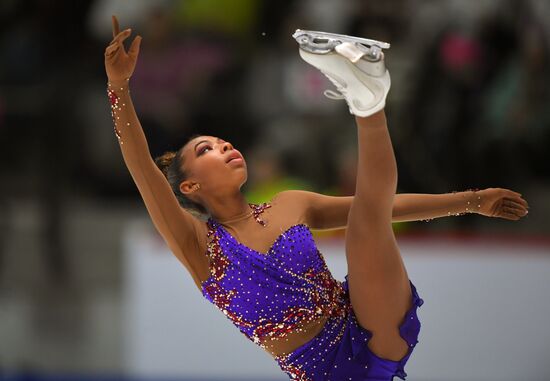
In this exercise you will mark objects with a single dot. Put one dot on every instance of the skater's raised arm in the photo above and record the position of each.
(177, 226)
(119, 66)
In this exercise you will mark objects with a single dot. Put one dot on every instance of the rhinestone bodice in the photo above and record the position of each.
(268, 295)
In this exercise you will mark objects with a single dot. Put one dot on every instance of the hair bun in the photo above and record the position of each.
(164, 161)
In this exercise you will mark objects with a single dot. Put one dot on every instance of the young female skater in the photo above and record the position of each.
(259, 264)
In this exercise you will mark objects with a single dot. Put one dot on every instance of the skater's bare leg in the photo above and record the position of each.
(379, 287)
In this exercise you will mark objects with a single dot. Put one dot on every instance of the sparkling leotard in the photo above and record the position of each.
(270, 295)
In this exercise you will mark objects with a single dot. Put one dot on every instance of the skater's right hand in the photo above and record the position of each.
(120, 65)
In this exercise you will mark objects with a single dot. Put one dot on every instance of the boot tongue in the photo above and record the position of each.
(351, 51)
(354, 52)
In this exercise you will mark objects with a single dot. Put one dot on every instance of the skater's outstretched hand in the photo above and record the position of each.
(504, 203)
(120, 65)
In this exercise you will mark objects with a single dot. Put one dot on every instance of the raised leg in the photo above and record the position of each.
(379, 286)
(378, 283)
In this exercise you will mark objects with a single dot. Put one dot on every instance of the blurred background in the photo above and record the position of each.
(88, 289)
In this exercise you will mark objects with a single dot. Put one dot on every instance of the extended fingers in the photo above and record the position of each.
(119, 38)
(522, 201)
(134, 47)
(514, 211)
(516, 197)
(510, 216)
(519, 204)
(511, 207)
(111, 49)
(116, 29)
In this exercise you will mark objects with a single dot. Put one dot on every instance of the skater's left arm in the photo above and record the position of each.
(331, 212)
(490, 202)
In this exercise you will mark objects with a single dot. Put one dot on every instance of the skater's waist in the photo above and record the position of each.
(280, 346)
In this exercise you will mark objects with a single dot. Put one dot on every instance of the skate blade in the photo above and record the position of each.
(323, 42)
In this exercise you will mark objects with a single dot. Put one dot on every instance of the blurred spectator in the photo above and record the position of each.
(444, 111)
(516, 119)
(268, 176)
(172, 74)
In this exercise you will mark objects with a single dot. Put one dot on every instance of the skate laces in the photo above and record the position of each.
(331, 94)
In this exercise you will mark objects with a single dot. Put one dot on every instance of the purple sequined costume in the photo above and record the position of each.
(271, 294)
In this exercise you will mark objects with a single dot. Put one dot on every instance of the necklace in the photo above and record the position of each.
(238, 218)
(256, 211)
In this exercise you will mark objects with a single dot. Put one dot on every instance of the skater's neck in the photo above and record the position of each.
(229, 207)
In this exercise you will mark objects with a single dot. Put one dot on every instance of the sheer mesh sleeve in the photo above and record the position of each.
(127, 128)
(179, 228)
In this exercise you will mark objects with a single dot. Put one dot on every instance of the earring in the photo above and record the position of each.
(196, 187)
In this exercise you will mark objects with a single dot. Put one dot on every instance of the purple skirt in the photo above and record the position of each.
(340, 352)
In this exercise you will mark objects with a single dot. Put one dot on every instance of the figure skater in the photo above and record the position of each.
(258, 263)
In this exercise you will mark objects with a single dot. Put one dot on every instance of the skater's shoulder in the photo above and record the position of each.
(295, 204)
(289, 207)
(292, 196)
(300, 195)
(320, 211)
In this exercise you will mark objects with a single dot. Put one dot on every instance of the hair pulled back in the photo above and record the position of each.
(171, 165)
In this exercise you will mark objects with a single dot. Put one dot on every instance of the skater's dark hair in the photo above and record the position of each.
(171, 165)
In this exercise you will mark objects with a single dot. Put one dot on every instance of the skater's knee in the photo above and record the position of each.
(365, 221)
(371, 207)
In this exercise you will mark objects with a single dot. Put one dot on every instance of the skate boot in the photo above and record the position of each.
(354, 65)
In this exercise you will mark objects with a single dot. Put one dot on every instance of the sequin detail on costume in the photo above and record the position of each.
(295, 372)
(340, 351)
(273, 294)
(269, 295)
(114, 100)
(258, 209)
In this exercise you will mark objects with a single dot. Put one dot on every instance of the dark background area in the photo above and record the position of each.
(468, 108)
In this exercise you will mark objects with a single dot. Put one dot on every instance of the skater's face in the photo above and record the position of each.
(209, 161)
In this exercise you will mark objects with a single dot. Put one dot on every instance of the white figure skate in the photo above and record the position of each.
(354, 65)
